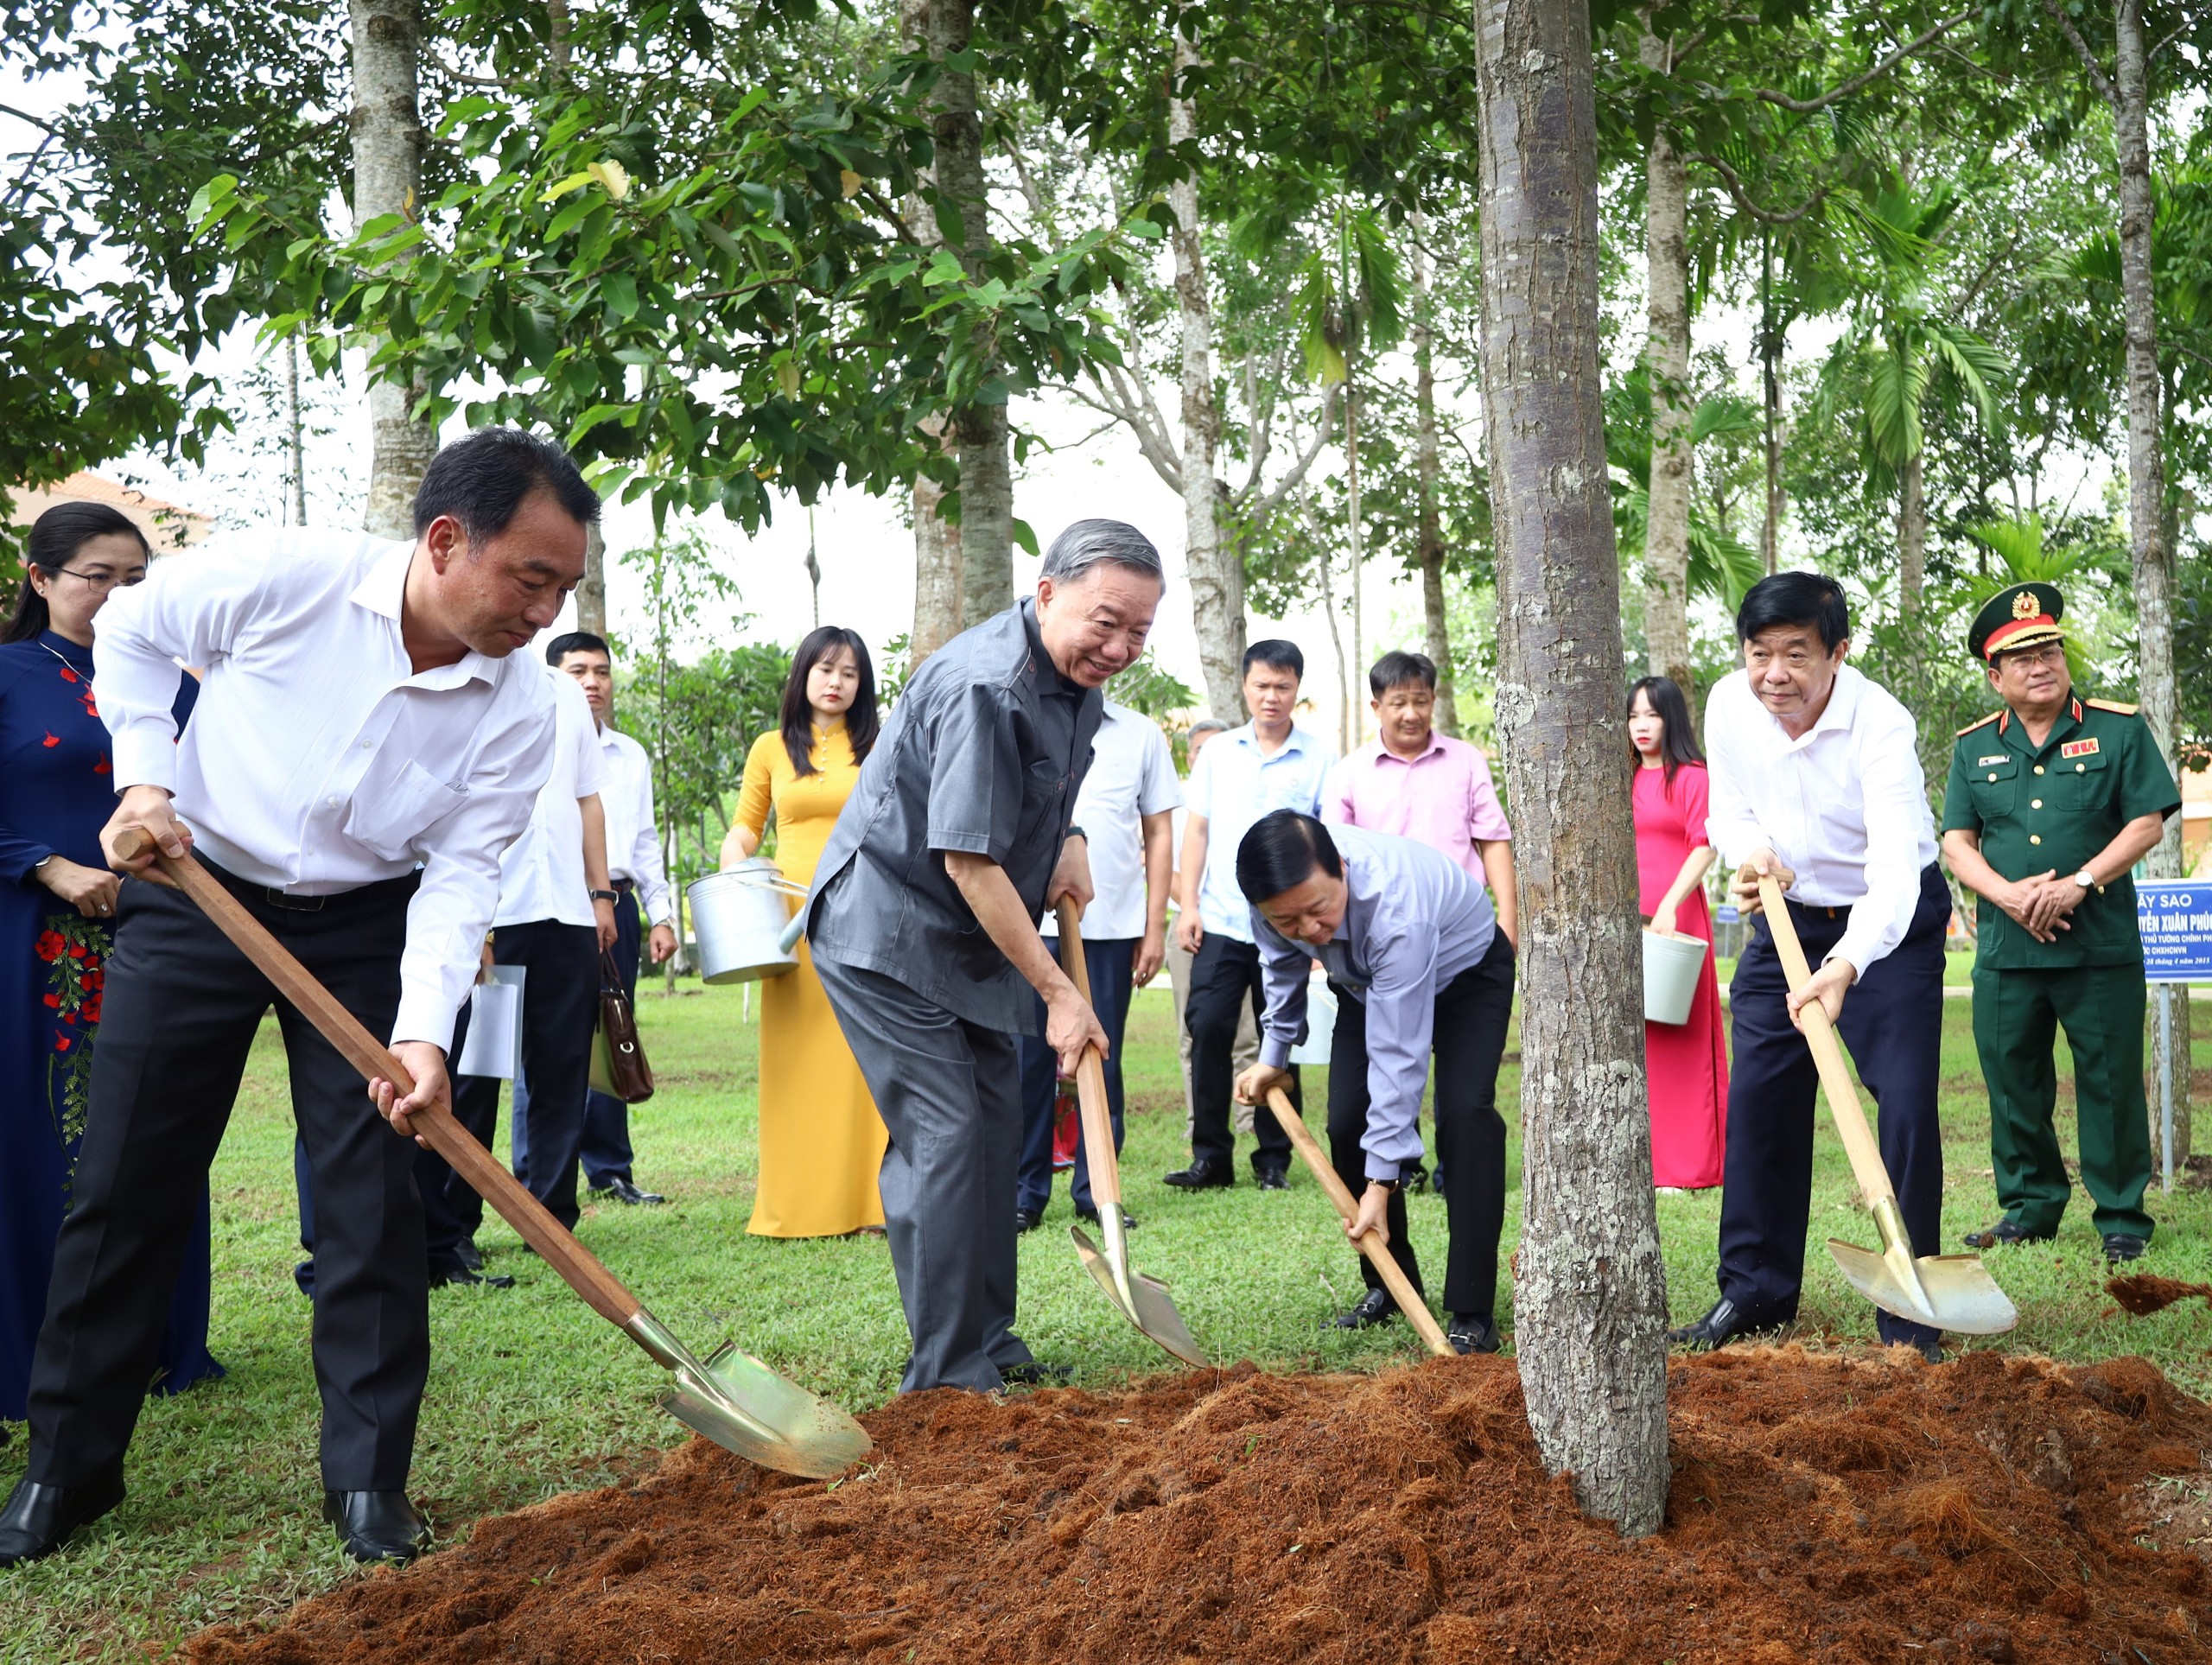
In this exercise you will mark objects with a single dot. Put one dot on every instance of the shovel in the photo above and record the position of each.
(1144, 1301)
(1948, 1292)
(731, 1397)
(1378, 1254)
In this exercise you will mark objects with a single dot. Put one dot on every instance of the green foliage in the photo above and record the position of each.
(1721, 565)
(685, 258)
(1161, 695)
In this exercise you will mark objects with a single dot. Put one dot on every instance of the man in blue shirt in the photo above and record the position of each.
(1269, 764)
(1418, 965)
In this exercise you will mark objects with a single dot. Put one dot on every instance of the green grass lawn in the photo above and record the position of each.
(531, 1394)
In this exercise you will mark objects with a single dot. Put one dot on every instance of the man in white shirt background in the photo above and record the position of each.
(1268, 763)
(556, 913)
(1127, 801)
(1815, 779)
(360, 716)
(633, 863)
(1246, 1051)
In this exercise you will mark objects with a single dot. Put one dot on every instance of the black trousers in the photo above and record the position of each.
(607, 1154)
(1224, 974)
(1893, 1023)
(1473, 1011)
(560, 1009)
(182, 1007)
(1110, 963)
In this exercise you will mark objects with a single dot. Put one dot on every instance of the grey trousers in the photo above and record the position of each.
(950, 1091)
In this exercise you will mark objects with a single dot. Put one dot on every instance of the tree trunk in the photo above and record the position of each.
(591, 593)
(1667, 362)
(937, 567)
(1356, 668)
(295, 449)
(387, 132)
(1214, 568)
(1430, 527)
(2151, 556)
(1590, 1291)
(1771, 346)
(1912, 535)
(961, 223)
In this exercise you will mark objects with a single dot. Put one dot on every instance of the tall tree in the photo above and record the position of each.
(1436, 618)
(1667, 362)
(1590, 1291)
(387, 125)
(1215, 567)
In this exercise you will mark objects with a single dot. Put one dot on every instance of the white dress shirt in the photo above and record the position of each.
(541, 874)
(632, 839)
(1845, 805)
(1233, 785)
(1132, 775)
(318, 760)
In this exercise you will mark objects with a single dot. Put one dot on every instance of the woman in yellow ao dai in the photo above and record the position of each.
(822, 1141)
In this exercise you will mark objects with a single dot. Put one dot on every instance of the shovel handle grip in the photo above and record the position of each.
(1378, 1253)
(578, 1267)
(1866, 1164)
(1098, 1153)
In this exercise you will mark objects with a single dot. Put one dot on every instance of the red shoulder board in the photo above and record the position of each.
(2078, 749)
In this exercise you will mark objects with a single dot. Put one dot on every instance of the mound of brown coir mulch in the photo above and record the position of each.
(1824, 1508)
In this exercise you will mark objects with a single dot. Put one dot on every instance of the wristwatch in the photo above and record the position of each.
(1387, 1184)
(606, 896)
(2087, 880)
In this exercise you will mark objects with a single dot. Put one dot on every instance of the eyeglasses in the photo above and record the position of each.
(101, 582)
(2049, 653)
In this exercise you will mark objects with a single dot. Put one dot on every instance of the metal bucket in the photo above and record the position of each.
(738, 915)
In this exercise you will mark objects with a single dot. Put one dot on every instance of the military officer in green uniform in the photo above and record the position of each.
(2052, 800)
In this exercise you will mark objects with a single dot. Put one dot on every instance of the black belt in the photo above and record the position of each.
(626, 885)
(292, 902)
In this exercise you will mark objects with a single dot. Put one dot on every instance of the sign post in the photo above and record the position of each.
(2175, 916)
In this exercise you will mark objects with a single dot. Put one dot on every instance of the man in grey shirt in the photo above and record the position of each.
(924, 920)
(1418, 963)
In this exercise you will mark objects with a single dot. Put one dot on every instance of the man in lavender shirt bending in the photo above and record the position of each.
(1418, 967)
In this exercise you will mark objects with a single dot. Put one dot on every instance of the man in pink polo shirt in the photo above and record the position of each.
(1420, 784)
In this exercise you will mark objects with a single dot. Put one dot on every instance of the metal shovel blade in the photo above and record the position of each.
(743, 1407)
(1946, 1291)
(1144, 1301)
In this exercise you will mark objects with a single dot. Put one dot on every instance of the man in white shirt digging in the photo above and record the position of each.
(1815, 779)
(360, 716)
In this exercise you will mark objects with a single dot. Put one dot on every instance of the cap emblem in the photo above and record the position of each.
(2024, 605)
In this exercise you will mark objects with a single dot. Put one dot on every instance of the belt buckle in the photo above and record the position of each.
(293, 904)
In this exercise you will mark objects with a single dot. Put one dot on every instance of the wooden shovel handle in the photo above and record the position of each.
(579, 1267)
(1098, 1153)
(1378, 1253)
(1827, 1053)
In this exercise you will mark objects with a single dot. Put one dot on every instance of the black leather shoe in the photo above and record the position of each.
(38, 1520)
(1471, 1333)
(1271, 1178)
(2005, 1232)
(377, 1526)
(1203, 1176)
(469, 1255)
(625, 1190)
(1027, 1219)
(1931, 1350)
(1035, 1374)
(1723, 1323)
(1089, 1216)
(462, 1277)
(1375, 1307)
(2124, 1246)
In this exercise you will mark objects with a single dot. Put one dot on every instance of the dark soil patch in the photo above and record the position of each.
(2144, 1292)
(1824, 1508)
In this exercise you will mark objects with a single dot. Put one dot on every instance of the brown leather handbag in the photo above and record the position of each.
(618, 1057)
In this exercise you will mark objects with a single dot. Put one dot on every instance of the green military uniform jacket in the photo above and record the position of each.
(2055, 806)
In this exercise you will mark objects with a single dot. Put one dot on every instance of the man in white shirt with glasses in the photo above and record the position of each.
(1815, 779)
